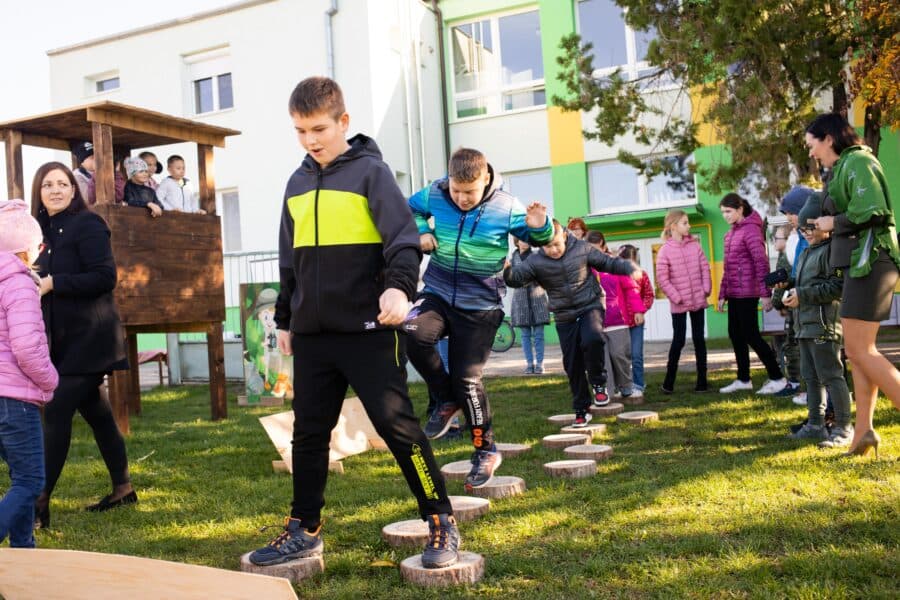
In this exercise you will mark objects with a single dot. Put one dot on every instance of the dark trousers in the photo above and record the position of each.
(374, 365)
(743, 329)
(471, 336)
(679, 334)
(822, 370)
(583, 350)
(82, 393)
(787, 350)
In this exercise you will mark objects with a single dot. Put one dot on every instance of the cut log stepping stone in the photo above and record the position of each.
(638, 417)
(562, 419)
(591, 429)
(468, 569)
(571, 469)
(467, 508)
(456, 470)
(613, 408)
(511, 450)
(501, 486)
(293, 570)
(413, 532)
(631, 400)
(564, 440)
(591, 451)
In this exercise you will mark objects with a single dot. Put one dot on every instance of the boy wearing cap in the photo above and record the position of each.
(84, 174)
(136, 191)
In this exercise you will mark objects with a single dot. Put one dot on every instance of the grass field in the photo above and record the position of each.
(712, 501)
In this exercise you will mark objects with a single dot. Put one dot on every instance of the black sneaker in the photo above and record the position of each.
(292, 543)
(484, 463)
(442, 548)
(601, 397)
(798, 426)
(582, 418)
(441, 419)
(664, 390)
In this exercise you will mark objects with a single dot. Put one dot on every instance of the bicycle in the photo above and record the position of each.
(504, 338)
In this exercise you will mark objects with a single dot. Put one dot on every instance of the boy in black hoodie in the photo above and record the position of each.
(349, 263)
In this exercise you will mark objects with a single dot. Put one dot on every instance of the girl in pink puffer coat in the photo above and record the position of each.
(682, 273)
(27, 377)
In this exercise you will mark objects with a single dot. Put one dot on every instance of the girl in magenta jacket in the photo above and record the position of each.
(27, 377)
(682, 273)
(743, 284)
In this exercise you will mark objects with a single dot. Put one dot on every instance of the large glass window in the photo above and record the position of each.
(616, 186)
(210, 80)
(231, 221)
(531, 186)
(497, 64)
(615, 45)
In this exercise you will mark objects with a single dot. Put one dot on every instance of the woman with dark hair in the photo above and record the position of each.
(78, 275)
(598, 240)
(864, 248)
(743, 284)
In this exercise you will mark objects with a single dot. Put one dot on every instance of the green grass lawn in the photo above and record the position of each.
(712, 501)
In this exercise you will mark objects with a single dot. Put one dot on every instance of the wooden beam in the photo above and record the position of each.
(104, 177)
(15, 178)
(118, 399)
(134, 376)
(43, 141)
(151, 126)
(216, 354)
(207, 178)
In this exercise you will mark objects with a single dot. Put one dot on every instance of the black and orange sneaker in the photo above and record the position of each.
(484, 463)
(441, 419)
(582, 418)
(442, 548)
(292, 543)
(601, 397)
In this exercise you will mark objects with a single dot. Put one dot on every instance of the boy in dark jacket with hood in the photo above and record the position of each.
(563, 268)
(349, 263)
(815, 293)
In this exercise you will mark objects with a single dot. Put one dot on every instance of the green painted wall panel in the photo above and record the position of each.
(557, 20)
(570, 191)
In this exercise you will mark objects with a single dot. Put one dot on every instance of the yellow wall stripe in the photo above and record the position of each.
(344, 218)
(566, 140)
(706, 133)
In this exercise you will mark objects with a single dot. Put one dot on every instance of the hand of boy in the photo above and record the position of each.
(825, 223)
(536, 215)
(790, 299)
(427, 243)
(284, 342)
(394, 306)
(155, 210)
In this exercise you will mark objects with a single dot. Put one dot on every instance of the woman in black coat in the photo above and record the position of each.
(78, 275)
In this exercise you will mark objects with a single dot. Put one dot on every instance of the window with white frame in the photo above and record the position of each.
(230, 210)
(531, 186)
(615, 44)
(209, 74)
(616, 186)
(102, 82)
(497, 64)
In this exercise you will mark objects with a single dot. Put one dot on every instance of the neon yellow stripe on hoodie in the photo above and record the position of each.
(346, 221)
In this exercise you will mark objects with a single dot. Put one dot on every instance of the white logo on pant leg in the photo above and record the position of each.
(475, 403)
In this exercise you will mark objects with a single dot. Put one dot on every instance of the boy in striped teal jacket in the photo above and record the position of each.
(463, 295)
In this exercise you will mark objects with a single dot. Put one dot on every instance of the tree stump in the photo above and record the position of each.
(511, 450)
(293, 570)
(501, 487)
(469, 569)
(467, 508)
(589, 451)
(413, 532)
(571, 469)
(594, 430)
(562, 419)
(638, 417)
(613, 408)
(564, 440)
(456, 470)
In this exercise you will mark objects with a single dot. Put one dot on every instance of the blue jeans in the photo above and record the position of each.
(637, 356)
(22, 448)
(533, 335)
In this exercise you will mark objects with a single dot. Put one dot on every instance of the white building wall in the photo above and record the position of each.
(512, 142)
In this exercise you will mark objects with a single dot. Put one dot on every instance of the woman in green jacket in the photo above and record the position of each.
(864, 247)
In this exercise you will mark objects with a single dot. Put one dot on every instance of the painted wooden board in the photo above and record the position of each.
(613, 408)
(353, 434)
(469, 569)
(26, 574)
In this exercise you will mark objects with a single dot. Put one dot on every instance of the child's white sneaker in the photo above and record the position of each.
(636, 394)
(772, 386)
(799, 399)
(736, 386)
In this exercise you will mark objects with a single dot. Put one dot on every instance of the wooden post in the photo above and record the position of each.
(118, 399)
(134, 375)
(216, 353)
(207, 178)
(104, 178)
(15, 182)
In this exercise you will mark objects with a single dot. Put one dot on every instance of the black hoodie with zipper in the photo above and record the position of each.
(347, 234)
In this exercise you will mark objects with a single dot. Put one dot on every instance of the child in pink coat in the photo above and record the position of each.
(682, 273)
(27, 377)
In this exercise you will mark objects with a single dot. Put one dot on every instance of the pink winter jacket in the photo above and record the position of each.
(623, 299)
(746, 263)
(26, 372)
(682, 273)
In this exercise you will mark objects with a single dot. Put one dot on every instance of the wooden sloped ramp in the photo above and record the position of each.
(75, 575)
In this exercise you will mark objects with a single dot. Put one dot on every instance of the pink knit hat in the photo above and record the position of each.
(19, 232)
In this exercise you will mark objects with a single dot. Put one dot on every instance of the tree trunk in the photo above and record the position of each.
(839, 102)
(872, 129)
